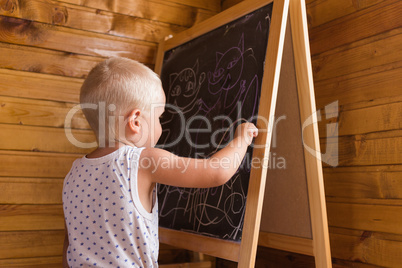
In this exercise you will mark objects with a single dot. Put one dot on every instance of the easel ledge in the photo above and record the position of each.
(204, 244)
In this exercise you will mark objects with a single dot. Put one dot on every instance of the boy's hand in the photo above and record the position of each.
(247, 131)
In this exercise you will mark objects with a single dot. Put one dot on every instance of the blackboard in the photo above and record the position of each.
(192, 218)
(211, 83)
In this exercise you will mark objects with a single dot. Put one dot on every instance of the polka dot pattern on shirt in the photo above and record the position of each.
(106, 223)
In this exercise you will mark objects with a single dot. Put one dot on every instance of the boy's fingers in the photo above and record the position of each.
(253, 131)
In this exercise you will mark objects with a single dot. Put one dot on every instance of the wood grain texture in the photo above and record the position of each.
(31, 217)
(357, 65)
(229, 3)
(359, 25)
(33, 164)
(18, 191)
(90, 19)
(356, 47)
(321, 12)
(368, 217)
(345, 61)
(383, 117)
(48, 47)
(361, 86)
(287, 243)
(381, 148)
(31, 244)
(30, 33)
(364, 184)
(39, 86)
(31, 112)
(45, 139)
(226, 249)
(268, 257)
(164, 11)
(203, 264)
(310, 135)
(40, 262)
(39, 60)
(381, 249)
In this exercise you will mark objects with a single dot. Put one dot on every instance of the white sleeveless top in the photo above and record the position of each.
(106, 222)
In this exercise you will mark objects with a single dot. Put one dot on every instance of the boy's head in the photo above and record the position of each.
(113, 89)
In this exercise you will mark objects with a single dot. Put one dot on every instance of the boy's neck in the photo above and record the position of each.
(108, 149)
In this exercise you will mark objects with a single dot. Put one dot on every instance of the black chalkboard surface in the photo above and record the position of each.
(212, 83)
(220, 71)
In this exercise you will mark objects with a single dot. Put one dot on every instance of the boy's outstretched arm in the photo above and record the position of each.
(164, 167)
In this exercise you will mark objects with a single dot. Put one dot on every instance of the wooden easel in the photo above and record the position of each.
(245, 252)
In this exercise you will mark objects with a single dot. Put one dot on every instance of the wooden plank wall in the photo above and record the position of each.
(356, 48)
(357, 60)
(47, 47)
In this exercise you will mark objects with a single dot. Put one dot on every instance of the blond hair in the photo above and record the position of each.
(119, 85)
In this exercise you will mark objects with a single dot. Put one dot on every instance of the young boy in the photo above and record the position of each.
(109, 196)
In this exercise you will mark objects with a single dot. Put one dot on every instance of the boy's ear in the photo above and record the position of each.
(133, 120)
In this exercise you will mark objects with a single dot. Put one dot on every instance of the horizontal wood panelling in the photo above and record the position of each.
(48, 47)
(39, 113)
(39, 86)
(42, 262)
(29, 244)
(29, 33)
(374, 102)
(368, 119)
(30, 191)
(170, 254)
(360, 87)
(337, 263)
(366, 247)
(357, 63)
(164, 11)
(320, 12)
(46, 61)
(368, 217)
(204, 4)
(46, 53)
(366, 201)
(267, 257)
(229, 3)
(89, 19)
(201, 264)
(363, 183)
(32, 164)
(372, 21)
(45, 139)
(31, 217)
(383, 148)
(285, 242)
(380, 52)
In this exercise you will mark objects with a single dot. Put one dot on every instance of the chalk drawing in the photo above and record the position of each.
(216, 77)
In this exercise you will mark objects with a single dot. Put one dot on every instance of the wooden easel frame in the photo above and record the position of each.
(319, 246)
(245, 252)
